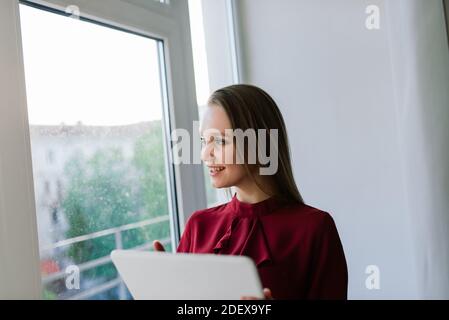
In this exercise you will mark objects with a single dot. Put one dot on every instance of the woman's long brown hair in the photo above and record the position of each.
(249, 107)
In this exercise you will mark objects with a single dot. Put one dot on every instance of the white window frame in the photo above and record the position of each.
(19, 255)
(446, 17)
(223, 43)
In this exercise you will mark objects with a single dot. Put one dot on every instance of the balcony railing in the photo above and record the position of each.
(117, 232)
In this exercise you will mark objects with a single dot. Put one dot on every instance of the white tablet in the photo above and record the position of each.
(186, 276)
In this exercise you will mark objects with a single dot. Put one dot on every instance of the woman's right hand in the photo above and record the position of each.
(157, 245)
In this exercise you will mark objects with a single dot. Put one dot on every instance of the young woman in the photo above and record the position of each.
(296, 247)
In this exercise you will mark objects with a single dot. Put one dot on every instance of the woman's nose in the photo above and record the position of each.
(207, 152)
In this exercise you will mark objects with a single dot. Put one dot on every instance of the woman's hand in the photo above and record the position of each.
(157, 245)
(266, 292)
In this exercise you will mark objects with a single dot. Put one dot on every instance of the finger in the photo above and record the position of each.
(248, 298)
(158, 246)
(268, 294)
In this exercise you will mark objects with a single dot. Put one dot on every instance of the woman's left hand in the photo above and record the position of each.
(266, 292)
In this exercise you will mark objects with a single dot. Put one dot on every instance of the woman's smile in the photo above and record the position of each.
(216, 170)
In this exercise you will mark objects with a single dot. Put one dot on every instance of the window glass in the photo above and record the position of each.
(99, 164)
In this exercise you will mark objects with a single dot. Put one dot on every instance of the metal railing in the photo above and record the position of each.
(117, 232)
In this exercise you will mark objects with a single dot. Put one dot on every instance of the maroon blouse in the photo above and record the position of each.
(296, 248)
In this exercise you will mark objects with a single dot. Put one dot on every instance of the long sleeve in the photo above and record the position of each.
(329, 275)
(184, 243)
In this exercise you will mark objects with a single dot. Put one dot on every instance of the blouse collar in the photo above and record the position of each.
(247, 236)
(243, 209)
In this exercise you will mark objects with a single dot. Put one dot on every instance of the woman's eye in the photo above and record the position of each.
(220, 141)
(217, 141)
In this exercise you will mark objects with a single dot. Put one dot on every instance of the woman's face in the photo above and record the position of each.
(218, 150)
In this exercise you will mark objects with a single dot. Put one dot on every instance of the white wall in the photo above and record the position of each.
(421, 81)
(367, 114)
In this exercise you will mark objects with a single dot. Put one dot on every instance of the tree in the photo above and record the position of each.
(107, 190)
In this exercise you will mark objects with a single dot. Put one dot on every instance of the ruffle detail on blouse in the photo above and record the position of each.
(245, 236)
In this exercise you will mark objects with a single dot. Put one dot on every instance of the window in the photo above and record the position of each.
(446, 16)
(105, 137)
(94, 98)
(214, 196)
(47, 187)
(50, 157)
